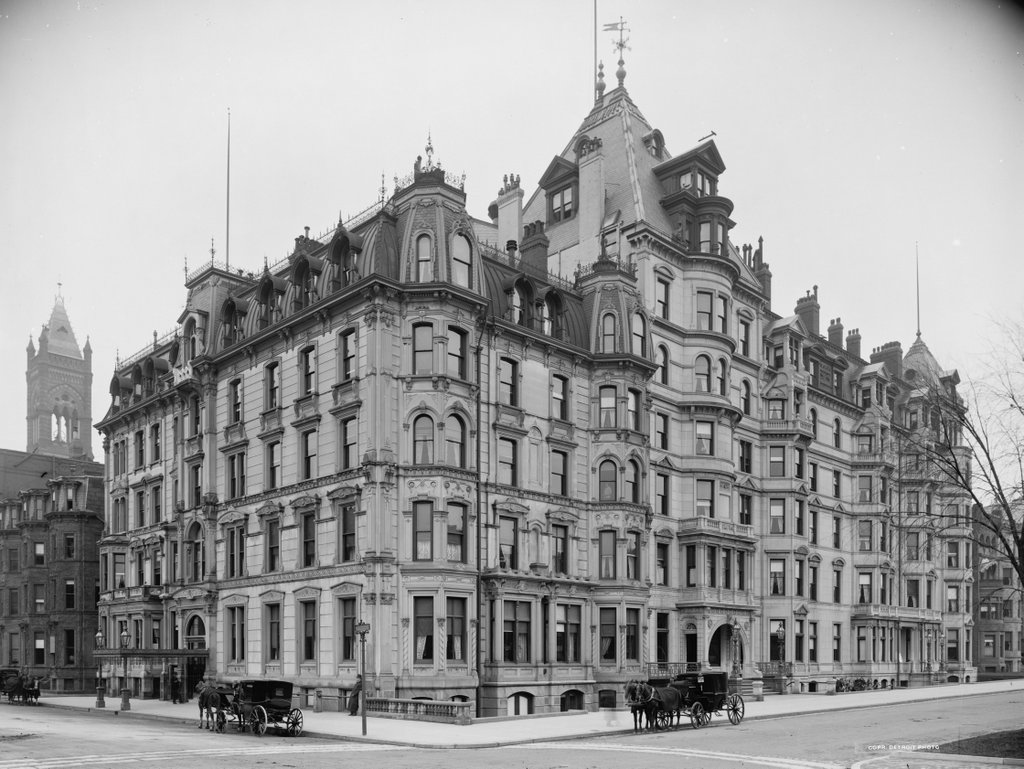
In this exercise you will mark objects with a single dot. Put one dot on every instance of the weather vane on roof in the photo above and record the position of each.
(620, 46)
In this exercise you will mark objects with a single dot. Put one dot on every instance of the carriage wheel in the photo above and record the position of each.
(662, 719)
(294, 722)
(220, 721)
(258, 721)
(734, 706)
(697, 714)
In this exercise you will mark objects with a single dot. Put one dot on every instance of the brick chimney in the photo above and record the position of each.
(509, 209)
(809, 312)
(835, 332)
(853, 342)
(533, 250)
(761, 271)
(891, 354)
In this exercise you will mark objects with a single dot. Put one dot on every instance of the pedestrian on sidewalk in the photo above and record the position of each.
(175, 690)
(353, 697)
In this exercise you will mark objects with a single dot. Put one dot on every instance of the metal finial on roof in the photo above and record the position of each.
(600, 80)
(383, 188)
(429, 149)
(620, 46)
(213, 251)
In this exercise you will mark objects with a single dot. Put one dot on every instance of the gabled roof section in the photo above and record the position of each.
(792, 323)
(558, 169)
(706, 154)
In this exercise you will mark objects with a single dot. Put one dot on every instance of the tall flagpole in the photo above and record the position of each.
(917, 283)
(227, 215)
(594, 81)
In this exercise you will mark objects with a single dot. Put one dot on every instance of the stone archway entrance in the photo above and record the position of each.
(722, 651)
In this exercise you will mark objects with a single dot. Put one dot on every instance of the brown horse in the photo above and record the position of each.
(209, 703)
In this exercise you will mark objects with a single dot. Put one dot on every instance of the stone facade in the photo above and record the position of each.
(537, 454)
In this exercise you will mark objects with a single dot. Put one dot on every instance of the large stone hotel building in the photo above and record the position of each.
(538, 454)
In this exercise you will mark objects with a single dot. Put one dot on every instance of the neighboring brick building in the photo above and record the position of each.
(51, 518)
(537, 454)
(998, 605)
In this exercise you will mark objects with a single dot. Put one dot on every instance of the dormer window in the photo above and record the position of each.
(462, 267)
(423, 259)
(705, 185)
(562, 204)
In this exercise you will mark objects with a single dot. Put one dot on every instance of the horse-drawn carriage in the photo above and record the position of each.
(19, 688)
(252, 704)
(694, 694)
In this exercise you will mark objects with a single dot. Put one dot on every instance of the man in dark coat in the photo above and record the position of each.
(353, 698)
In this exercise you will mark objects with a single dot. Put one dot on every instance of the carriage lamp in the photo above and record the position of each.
(362, 628)
(125, 702)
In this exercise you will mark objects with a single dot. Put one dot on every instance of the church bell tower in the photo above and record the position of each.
(59, 385)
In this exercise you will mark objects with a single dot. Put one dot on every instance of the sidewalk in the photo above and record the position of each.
(522, 729)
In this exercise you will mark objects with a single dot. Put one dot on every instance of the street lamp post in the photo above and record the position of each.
(735, 648)
(928, 651)
(780, 634)
(362, 628)
(100, 702)
(125, 703)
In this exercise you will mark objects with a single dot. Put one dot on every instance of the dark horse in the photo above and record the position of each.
(209, 703)
(648, 700)
(638, 705)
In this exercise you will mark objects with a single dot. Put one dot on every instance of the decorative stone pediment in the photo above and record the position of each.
(307, 593)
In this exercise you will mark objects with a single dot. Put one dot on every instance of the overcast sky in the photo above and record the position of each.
(850, 132)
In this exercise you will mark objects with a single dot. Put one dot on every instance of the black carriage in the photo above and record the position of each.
(695, 694)
(704, 694)
(256, 704)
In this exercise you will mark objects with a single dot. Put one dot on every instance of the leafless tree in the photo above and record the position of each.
(975, 442)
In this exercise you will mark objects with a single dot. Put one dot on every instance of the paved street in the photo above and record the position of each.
(62, 738)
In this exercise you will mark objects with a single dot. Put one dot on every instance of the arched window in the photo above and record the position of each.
(462, 265)
(745, 397)
(423, 440)
(552, 315)
(813, 416)
(424, 260)
(639, 335)
(303, 281)
(723, 369)
(195, 633)
(702, 373)
(545, 318)
(661, 359)
(606, 485)
(608, 333)
(190, 339)
(455, 441)
(632, 490)
(519, 306)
